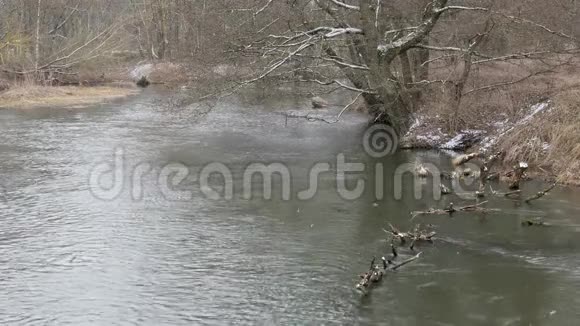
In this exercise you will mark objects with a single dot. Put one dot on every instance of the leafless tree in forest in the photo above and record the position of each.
(384, 49)
(397, 55)
(47, 38)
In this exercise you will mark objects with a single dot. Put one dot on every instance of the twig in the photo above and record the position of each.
(407, 261)
(451, 209)
(347, 106)
(307, 117)
(263, 8)
(505, 194)
(462, 159)
(541, 193)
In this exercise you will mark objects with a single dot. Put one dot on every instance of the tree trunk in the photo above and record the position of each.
(408, 94)
(421, 64)
(37, 42)
(406, 69)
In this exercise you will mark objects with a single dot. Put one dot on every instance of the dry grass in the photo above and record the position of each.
(551, 140)
(27, 95)
(4, 85)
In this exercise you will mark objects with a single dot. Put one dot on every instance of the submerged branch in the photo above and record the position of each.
(541, 193)
(451, 209)
(514, 193)
(397, 266)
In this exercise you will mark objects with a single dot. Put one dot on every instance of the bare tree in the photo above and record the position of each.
(383, 50)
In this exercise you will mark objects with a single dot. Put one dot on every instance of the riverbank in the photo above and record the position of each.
(31, 96)
(546, 135)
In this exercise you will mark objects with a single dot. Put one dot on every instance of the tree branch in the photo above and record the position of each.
(344, 5)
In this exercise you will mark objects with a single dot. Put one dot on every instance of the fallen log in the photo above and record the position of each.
(462, 159)
(375, 273)
(318, 102)
(541, 193)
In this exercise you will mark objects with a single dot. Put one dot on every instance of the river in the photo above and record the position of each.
(159, 254)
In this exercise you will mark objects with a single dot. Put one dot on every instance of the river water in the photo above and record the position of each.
(157, 253)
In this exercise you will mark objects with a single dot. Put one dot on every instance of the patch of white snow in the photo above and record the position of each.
(141, 71)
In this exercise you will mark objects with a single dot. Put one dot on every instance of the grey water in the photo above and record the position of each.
(68, 256)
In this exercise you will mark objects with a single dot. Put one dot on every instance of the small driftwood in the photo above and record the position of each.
(484, 173)
(493, 176)
(449, 175)
(405, 262)
(444, 189)
(308, 117)
(451, 209)
(492, 159)
(462, 159)
(541, 193)
(509, 194)
(534, 222)
(415, 236)
(375, 273)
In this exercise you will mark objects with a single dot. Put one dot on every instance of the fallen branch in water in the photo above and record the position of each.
(375, 273)
(493, 176)
(484, 172)
(462, 159)
(416, 235)
(541, 193)
(509, 194)
(534, 222)
(451, 209)
(308, 117)
(417, 256)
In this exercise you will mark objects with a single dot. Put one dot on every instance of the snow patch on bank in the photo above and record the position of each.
(143, 70)
(463, 139)
(422, 135)
(505, 127)
(534, 109)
